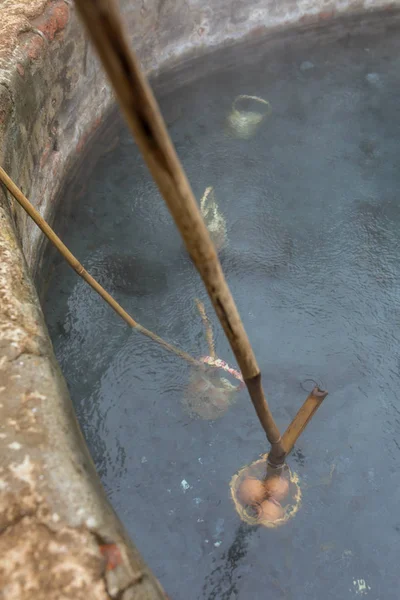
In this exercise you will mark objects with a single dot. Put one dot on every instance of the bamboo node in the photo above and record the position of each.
(278, 441)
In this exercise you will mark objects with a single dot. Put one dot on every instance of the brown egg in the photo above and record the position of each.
(270, 511)
(252, 491)
(276, 487)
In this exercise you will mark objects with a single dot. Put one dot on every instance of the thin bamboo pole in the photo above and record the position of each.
(207, 327)
(105, 27)
(81, 271)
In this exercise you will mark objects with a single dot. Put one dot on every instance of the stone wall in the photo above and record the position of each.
(58, 535)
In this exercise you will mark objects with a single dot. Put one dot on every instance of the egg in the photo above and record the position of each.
(270, 511)
(276, 487)
(252, 491)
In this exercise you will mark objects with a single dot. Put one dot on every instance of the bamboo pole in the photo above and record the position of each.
(305, 413)
(303, 417)
(105, 27)
(81, 271)
(207, 327)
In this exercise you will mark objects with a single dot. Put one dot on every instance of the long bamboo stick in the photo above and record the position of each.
(81, 271)
(105, 27)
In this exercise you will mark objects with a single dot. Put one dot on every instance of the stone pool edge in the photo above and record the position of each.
(53, 96)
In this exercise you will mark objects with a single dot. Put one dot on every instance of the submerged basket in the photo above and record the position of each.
(258, 470)
(213, 218)
(244, 123)
(209, 395)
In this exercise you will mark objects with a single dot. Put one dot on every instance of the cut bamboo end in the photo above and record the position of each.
(303, 417)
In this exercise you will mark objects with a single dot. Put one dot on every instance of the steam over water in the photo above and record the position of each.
(312, 211)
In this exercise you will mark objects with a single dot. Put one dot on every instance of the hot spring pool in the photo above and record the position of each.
(310, 200)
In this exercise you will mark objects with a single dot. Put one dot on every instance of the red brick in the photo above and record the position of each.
(35, 46)
(325, 15)
(53, 20)
(112, 556)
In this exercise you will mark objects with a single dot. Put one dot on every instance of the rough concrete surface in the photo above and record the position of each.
(59, 537)
(53, 513)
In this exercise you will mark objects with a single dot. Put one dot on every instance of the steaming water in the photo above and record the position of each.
(312, 208)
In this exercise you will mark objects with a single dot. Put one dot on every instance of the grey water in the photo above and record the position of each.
(312, 207)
